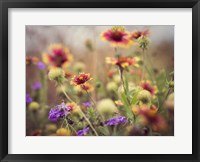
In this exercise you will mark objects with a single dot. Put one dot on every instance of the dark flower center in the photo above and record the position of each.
(117, 36)
(59, 57)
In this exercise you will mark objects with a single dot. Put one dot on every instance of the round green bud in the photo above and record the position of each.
(63, 132)
(34, 106)
(111, 86)
(171, 84)
(98, 84)
(117, 79)
(106, 107)
(56, 74)
(51, 127)
(77, 89)
(79, 67)
(143, 42)
(144, 97)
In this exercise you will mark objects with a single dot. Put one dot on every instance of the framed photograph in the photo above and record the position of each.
(99, 81)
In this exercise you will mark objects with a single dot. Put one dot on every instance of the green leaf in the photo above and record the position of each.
(134, 100)
(124, 99)
(127, 109)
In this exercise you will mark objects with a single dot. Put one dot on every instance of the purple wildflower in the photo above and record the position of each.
(116, 120)
(58, 112)
(28, 98)
(86, 104)
(41, 65)
(83, 131)
(36, 85)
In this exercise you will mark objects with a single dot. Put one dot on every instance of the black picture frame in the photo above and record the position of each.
(4, 69)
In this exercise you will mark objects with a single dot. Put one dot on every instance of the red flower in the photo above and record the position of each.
(147, 85)
(152, 118)
(87, 87)
(81, 79)
(57, 56)
(117, 36)
(137, 34)
(123, 62)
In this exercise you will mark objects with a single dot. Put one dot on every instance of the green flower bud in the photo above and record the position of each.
(171, 84)
(79, 67)
(111, 86)
(106, 107)
(77, 89)
(143, 42)
(63, 132)
(98, 85)
(89, 45)
(34, 106)
(144, 97)
(57, 74)
(51, 127)
(117, 79)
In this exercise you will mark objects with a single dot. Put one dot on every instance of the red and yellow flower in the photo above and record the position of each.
(152, 118)
(57, 55)
(87, 87)
(81, 79)
(147, 85)
(137, 34)
(123, 62)
(117, 36)
(71, 106)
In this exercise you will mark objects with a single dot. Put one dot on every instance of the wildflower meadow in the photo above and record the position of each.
(99, 81)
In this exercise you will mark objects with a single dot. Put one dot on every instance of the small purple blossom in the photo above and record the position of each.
(28, 98)
(58, 112)
(41, 65)
(116, 120)
(36, 85)
(83, 131)
(86, 104)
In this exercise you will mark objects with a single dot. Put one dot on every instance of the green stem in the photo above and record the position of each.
(90, 98)
(168, 92)
(143, 66)
(73, 129)
(68, 125)
(121, 78)
(88, 121)
(67, 96)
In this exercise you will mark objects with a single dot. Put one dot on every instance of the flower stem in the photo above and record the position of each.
(121, 78)
(88, 122)
(90, 98)
(143, 66)
(72, 128)
(167, 94)
(66, 95)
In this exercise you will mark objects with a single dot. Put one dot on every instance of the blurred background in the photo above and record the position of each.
(86, 46)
